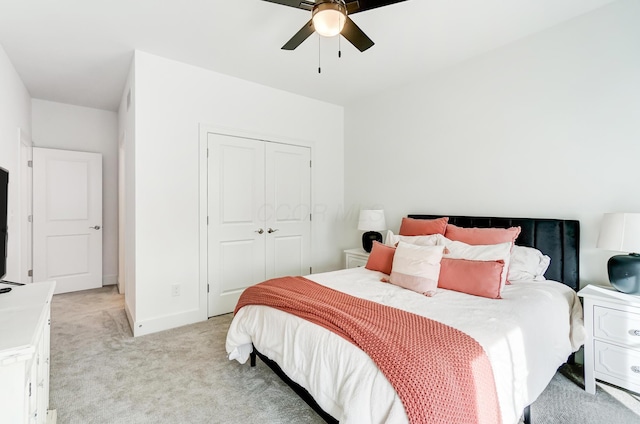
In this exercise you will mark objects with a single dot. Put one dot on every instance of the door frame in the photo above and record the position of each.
(205, 130)
(122, 246)
(25, 172)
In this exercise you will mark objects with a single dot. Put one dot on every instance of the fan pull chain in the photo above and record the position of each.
(340, 42)
(319, 68)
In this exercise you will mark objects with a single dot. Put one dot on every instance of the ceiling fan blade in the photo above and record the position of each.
(354, 34)
(298, 4)
(300, 36)
(362, 5)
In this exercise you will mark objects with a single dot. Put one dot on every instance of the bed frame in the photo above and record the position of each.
(557, 238)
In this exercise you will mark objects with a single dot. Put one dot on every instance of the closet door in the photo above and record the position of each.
(287, 210)
(236, 232)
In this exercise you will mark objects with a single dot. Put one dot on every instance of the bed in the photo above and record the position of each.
(525, 349)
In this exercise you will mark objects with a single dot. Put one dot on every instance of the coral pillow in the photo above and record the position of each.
(381, 258)
(416, 267)
(482, 235)
(490, 252)
(423, 227)
(432, 240)
(479, 278)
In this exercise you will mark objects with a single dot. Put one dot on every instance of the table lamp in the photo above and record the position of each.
(372, 221)
(621, 232)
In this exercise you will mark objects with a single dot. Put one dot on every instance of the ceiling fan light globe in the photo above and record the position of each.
(329, 18)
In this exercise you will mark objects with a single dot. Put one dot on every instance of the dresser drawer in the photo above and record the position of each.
(619, 362)
(616, 326)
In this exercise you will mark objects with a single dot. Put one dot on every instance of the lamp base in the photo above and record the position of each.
(624, 273)
(368, 238)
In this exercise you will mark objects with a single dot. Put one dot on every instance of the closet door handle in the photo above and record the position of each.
(260, 231)
(271, 230)
(95, 227)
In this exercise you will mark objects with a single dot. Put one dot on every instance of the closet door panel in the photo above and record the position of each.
(288, 209)
(235, 197)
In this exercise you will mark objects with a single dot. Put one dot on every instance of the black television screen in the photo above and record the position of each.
(4, 196)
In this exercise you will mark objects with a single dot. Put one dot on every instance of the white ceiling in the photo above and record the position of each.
(79, 51)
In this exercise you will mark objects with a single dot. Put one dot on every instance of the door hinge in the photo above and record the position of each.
(29, 389)
(310, 217)
(30, 163)
(207, 152)
(207, 288)
(30, 218)
(310, 270)
(30, 273)
(207, 220)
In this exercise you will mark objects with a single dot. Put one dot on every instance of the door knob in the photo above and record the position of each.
(260, 231)
(271, 230)
(95, 227)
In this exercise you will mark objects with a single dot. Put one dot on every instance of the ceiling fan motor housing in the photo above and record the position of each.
(339, 5)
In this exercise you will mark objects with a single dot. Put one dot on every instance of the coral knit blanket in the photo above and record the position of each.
(442, 375)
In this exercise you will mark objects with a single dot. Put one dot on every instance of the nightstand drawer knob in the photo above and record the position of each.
(634, 332)
(635, 369)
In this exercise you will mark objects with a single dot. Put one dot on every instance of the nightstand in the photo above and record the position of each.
(612, 347)
(354, 258)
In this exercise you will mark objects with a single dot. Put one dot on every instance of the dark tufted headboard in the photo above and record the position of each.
(557, 238)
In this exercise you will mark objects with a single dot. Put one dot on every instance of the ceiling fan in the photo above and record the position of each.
(329, 18)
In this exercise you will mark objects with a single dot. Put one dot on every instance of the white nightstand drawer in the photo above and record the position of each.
(354, 258)
(616, 326)
(355, 262)
(619, 362)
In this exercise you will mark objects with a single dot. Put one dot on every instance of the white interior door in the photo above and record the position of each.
(67, 218)
(236, 247)
(288, 210)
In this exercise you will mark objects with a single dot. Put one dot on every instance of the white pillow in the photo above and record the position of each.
(527, 264)
(432, 240)
(484, 252)
(416, 267)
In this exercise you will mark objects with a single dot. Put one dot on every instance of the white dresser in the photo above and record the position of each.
(612, 347)
(24, 353)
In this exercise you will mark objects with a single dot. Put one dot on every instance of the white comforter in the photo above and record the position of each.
(527, 335)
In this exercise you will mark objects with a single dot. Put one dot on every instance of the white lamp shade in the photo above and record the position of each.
(372, 220)
(620, 232)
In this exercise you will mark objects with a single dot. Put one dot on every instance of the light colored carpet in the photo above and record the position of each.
(101, 374)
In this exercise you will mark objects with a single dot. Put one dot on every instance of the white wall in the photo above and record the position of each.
(15, 114)
(548, 126)
(172, 100)
(68, 127)
(127, 234)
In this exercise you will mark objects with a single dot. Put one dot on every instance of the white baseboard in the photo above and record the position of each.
(129, 316)
(52, 416)
(140, 328)
(109, 280)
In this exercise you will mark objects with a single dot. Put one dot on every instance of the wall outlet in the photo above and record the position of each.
(175, 290)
